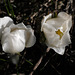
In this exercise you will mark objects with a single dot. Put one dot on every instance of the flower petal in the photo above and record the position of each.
(45, 19)
(4, 22)
(55, 22)
(13, 42)
(63, 15)
(30, 37)
(66, 39)
(29, 34)
(20, 26)
(59, 50)
(49, 32)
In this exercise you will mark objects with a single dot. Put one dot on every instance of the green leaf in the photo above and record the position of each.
(3, 60)
(29, 62)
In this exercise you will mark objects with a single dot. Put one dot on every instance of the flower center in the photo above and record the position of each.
(59, 33)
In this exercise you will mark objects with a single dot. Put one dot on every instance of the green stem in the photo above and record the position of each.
(17, 69)
(11, 9)
(29, 62)
(6, 7)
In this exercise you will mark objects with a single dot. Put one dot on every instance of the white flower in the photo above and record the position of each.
(16, 37)
(4, 22)
(56, 31)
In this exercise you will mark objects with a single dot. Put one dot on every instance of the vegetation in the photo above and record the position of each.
(37, 60)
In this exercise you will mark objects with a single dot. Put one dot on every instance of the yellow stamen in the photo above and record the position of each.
(59, 33)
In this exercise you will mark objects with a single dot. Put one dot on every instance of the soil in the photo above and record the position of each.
(31, 12)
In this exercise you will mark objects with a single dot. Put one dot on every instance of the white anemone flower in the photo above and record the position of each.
(16, 37)
(4, 22)
(56, 31)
